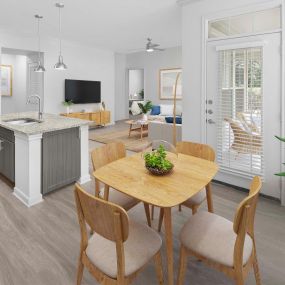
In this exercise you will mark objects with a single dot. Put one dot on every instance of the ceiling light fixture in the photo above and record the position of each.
(60, 64)
(40, 67)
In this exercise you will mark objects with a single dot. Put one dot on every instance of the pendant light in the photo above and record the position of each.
(40, 67)
(60, 64)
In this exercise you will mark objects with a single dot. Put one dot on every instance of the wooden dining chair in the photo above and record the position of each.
(119, 249)
(226, 246)
(102, 156)
(201, 151)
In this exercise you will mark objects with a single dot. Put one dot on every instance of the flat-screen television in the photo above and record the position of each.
(82, 91)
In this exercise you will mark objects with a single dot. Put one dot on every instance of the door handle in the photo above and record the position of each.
(210, 121)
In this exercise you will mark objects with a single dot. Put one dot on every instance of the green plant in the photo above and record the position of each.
(145, 107)
(141, 93)
(157, 159)
(281, 173)
(67, 103)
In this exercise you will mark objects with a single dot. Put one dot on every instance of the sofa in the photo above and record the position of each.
(163, 131)
(161, 112)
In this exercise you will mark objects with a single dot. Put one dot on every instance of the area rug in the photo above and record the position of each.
(132, 143)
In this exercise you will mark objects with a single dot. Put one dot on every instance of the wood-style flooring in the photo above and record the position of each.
(40, 245)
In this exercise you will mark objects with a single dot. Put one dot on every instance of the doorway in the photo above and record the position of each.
(135, 91)
(20, 81)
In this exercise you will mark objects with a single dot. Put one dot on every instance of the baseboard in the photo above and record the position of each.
(241, 189)
(29, 202)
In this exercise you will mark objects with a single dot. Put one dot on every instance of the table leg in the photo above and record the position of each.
(141, 132)
(209, 198)
(130, 130)
(169, 244)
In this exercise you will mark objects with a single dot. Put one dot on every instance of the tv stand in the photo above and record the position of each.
(100, 118)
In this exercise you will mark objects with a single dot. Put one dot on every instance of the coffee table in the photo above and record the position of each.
(137, 126)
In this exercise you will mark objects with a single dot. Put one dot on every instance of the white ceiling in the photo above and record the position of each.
(119, 25)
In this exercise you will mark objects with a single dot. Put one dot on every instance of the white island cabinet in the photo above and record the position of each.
(47, 154)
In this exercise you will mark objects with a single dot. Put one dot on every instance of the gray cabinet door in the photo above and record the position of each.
(7, 154)
(7, 159)
(60, 159)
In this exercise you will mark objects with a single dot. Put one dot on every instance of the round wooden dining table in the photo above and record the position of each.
(190, 174)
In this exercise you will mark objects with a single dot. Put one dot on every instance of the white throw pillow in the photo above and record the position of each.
(135, 109)
(166, 110)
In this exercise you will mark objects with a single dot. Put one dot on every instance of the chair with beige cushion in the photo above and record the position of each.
(107, 154)
(119, 249)
(201, 151)
(228, 247)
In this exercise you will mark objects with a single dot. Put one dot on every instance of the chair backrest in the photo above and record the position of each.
(249, 202)
(196, 149)
(238, 130)
(104, 218)
(107, 153)
(244, 221)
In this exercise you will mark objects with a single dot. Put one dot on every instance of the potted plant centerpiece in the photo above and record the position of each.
(156, 162)
(145, 108)
(67, 105)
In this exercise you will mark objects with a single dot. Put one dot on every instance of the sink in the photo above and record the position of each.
(23, 121)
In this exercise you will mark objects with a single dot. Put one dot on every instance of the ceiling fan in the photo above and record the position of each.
(151, 47)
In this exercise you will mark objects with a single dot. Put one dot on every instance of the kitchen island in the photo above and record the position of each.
(40, 156)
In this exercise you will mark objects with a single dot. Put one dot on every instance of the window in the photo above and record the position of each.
(250, 23)
(240, 128)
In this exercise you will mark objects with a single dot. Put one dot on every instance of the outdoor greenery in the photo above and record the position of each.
(141, 93)
(67, 103)
(157, 159)
(145, 107)
(281, 173)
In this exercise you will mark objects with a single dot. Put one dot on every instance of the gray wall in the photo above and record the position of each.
(121, 95)
(151, 63)
(136, 81)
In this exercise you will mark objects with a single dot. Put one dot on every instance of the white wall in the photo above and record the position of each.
(16, 102)
(192, 33)
(83, 62)
(192, 71)
(152, 63)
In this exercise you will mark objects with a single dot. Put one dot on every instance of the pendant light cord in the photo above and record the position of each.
(59, 31)
(39, 40)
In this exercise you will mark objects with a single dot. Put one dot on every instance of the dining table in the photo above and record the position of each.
(189, 175)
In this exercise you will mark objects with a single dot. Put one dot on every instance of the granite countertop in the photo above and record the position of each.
(49, 123)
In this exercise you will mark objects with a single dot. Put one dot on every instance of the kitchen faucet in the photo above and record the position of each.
(40, 115)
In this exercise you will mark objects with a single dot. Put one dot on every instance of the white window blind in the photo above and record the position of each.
(240, 109)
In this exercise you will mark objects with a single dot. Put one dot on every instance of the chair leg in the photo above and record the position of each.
(80, 271)
(194, 210)
(209, 198)
(147, 213)
(161, 214)
(256, 269)
(239, 280)
(158, 268)
(182, 266)
(152, 212)
(180, 208)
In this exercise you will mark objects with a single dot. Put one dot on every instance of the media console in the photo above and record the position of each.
(100, 118)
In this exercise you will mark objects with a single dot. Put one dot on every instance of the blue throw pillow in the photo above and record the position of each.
(155, 110)
(170, 120)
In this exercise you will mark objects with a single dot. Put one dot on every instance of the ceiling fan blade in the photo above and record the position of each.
(154, 45)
